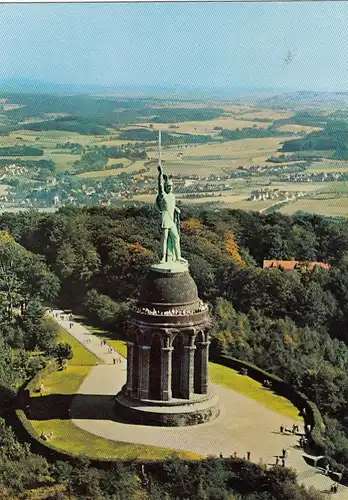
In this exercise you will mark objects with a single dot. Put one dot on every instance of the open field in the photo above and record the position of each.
(189, 104)
(116, 142)
(129, 169)
(299, 129)
(218, 157)
(112, 161)
(339, 188)
(49, 138)
(327, 206)
(249, 112)
(329, 166)
(206, 127)
(255, 206)
(63, 161)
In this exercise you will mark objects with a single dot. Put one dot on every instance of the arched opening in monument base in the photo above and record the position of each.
(135, 368)
(197, 377)
(177, 360)
(155, 368)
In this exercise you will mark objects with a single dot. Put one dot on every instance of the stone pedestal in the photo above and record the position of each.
(168, 351)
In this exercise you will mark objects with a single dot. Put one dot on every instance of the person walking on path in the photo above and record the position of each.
(248, 455)
(334, 488)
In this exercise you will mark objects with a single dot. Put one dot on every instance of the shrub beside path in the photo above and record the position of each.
(243, 425)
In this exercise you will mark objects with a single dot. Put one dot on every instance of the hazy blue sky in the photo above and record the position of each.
(291, 45)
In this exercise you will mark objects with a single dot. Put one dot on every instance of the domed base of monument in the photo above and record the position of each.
(175, 413)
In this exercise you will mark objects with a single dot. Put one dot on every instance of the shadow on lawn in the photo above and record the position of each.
(69, 406)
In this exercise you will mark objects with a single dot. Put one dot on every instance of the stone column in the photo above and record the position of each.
(204, 358)
(188, 372)
(144, 371)
(166, 373)
(130, 357)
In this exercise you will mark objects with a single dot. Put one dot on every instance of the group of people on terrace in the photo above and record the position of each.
(173, 312)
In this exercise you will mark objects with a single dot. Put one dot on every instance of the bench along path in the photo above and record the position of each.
(243, 425)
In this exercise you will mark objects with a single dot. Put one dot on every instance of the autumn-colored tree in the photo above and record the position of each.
(138, 248)
(191, 226)
(232, 248)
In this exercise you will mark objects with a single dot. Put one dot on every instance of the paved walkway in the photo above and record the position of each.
(243, 425)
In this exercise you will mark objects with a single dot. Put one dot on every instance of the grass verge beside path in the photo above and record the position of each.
(81, 355)
(67, 436)
(231, 379)
(119, 345)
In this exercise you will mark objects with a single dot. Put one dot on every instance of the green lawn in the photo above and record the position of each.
(120, 346)
(65, 381)
(70, 438)
(67, 436)
(231, 379)
(81, 355)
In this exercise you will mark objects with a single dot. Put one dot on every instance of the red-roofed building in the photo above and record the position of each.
(294, 265)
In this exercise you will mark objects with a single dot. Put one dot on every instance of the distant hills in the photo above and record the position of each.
(263, 97)
(303, 99)
(155, 90)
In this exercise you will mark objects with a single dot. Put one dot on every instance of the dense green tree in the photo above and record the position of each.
(61, 351)
(40, 332)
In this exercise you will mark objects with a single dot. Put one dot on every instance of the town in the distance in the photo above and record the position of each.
(279, 152)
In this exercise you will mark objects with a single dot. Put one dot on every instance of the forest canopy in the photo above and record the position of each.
(292, 324)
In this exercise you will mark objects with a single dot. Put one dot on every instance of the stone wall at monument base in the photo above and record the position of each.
(161, 417)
